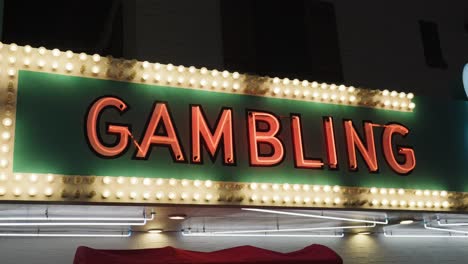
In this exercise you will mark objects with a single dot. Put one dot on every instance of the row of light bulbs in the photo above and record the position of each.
(295, 187)
(392, 191)
(5, 136)
(32, 178)
(32, 191)
(160, 195)
(295, 199)
(411, 203)
(212, 79)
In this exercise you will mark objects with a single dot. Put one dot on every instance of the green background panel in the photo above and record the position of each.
(50, 137)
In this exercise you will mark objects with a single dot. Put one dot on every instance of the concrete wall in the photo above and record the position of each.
(353, 249)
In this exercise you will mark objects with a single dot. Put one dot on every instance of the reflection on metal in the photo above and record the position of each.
(211, 234)
(293, 229)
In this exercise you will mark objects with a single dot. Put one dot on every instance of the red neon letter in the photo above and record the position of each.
(410, 160)
(299, 159)
(330, 142)
(223, 129)
(122, 132)
(160, 114)
(266, 137)
(353, 140)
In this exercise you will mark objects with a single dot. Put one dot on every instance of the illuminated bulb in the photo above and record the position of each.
(69, 66)
(41, 50)
(133, 180)
(297, 199)
(50, 178)
(351, 89)
(403, 105)
(95, 69)
(394, 203)
(342, 98)
(7, 121)
(418, 192)
(4, 148)
(443, 193)
(286, 186)
(295, 82)
(314, 84)
(332, 86)
(395, 104)
(2, 191)
(105, 194)
(184, 183)
(327, 200)
(146, 195)
(326, 188)
(6, 135)
(214, 84)
(435, 193)
(428, 204)
(144, 77)
(184, 196)
(172, 182)
(12, 60)
(3, 163)
(410, 96)
(445, 204)
(385, 93)
(352, 98)
(56, 52)
(325, 96)
(427, 193)
(41, 63)
(275, 187)
(171, 196)
(145, 64)
(169, 79)
(337, 201)
(32, 192)
(387, 102)
(180, 80)
(306, 199)
(391, 191)
(197, 183)
(106, 180)
(333, 96)
(384, 202)
(296, 92)
(383, 191)
(119, 194)
(214, 73)
(264, 199)
(55, 65)
(253, 186)
(157, 77)
(133, 195)
(401, 191)
(276, 90)
(96, 58)
(11, 72)
(412, 203)
(33, 178)
(317, 200)
(235, 86)
(393, 94)
(411, 106)
(208, 197)
(235, 75)
(17, 191)
(18, 177)
(208, 184)
(27, 49)
(159, 181)
(120, 180)
(83, 56)
(181, 68)
(296, 187)
(170, 67)
(375, 202)
(305, 83)
(402, 203)
(315, 94)
(159, 195)
(420, 204)
(13, 47)
(69, 54)
(336, 188)
(402, 95)
(225, 84)
(203, 70)
(306, 187)
(437, 204)
(26, 62)
(341, 88)
(276, 198)
(225, 74)
(203, 82)
(253, 197)
(157, 66)
(264, 186)
(286, 199)
(316, 188)
(146, 181)
(306, 93)
(323, 86)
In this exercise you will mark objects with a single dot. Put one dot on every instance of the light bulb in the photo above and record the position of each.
(27, 49)
(69, 54)
(33, 178)
(41, 50)
(120, 180)
(50, 178)
(106, 180)
(208, 184)
(146, 195)
(6, 135)
(83, 56)
(95, 69)
(17, 192)
(7, 121)
(146, 181)
(96, 58)
(133, 180)
(55, 52)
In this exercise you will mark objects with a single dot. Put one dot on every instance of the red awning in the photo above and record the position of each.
(169, 255)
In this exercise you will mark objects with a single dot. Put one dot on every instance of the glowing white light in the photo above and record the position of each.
(208, 184)
(95, 69)
(172, 182)
(206, 234)
(128, 234)
(32, 192)
(4, 148)
(133, 180)
(55, 52)
(106, 180)
(120, 180)
(27, 62)
(3, 163)
(96, 58)
(159, 181)
(83, 56)
(27, 49)
(411, 106)
(146, 181)
(33, 178)
(41, 50)
(105, 194)
(7, 121)
(133, 195)
(17, 191)
(69, 54)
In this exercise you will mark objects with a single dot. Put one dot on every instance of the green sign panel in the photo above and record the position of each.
(63, 126)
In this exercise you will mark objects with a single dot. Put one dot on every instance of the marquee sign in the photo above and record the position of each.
(84, 128)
